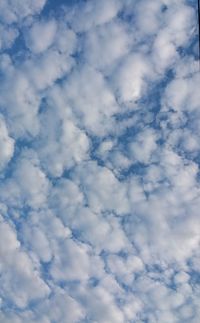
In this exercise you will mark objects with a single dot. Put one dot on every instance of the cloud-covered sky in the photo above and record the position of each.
(99, 161)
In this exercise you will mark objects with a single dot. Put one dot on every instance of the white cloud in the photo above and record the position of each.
(101, 306)
(61, 307)
(19, 279)
(130, 78)
(42, 73)
(6, 144)
(147, 15)
(7, 36)
(14, 10)
(102, 188)
(37, 240)
(65, 40)
(144, 146)
(41, 36)
(34, 186)
(182, 94)
(67, 258)
(102, 233)
(60, 150)
(22, 106)
(105, 45)
(28, 185)
(93, 13)
(91, 100)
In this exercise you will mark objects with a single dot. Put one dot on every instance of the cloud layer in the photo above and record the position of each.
(99, 162)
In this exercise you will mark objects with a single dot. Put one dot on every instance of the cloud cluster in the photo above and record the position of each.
(99, 162)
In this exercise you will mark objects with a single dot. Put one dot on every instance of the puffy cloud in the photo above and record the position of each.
(7, 37)
(102, 307)
(92, 14)
(20, 281)
(41, 36)
(102, 233)
(144, 146)
(34, 186)
(125, 268)
(147, 16)
(64, 149)
(22, 106)
(12, 11)
(103, 190)
(61, 307)
(182, 94)
(6, 144)
(92, 102)
(28, 184)
(105, 45)
(130, 78)
(67, 257)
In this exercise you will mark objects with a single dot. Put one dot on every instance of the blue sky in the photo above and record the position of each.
(99, 161)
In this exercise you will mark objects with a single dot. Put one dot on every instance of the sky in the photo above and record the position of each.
(99, 161)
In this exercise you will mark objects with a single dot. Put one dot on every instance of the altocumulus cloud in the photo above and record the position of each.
(99, 161)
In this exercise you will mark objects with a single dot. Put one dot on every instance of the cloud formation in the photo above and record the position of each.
(99, 162)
